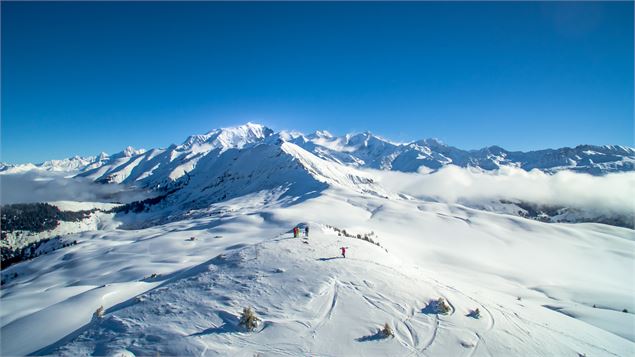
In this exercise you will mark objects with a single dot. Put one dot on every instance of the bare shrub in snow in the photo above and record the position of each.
(365, 237)
(439, 306)
(151, 276)
(387, 331)
(248, 319)
(443, 306)
(99, 313)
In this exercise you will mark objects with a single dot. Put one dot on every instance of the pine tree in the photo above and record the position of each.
(249, 319)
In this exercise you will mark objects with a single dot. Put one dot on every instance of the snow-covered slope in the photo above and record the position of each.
(280, 172)
(542, 289)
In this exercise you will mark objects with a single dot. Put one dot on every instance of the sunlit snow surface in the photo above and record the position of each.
(534, 283)
(174, 278)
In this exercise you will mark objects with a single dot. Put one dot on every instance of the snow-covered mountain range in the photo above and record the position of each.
(288, 165)
(170, 274)
(161, 167)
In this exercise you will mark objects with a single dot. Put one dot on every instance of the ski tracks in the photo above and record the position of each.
(412, 339)
(332, 302)
(409, 335)
(434, 334)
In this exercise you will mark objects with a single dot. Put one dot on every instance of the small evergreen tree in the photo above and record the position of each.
(248, 319)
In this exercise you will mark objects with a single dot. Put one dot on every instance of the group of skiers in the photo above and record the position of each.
(296, 234)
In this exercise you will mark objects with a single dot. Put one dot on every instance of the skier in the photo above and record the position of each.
(295, 232)
(306, 231)
(343, 251)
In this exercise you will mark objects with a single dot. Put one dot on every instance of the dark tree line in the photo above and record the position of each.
(545, 213)
(140, 206)
(36, 217)
(10, 256)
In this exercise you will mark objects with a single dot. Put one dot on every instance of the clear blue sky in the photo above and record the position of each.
(81, 78)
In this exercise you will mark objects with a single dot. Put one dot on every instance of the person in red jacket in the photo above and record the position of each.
(343, 251)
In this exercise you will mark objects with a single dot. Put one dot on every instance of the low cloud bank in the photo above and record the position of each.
(610, 194)
(49, 186)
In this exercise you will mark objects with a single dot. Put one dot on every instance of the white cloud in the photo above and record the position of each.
(49, 186)
(610, 194)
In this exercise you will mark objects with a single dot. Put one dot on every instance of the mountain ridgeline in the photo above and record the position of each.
(286, 166)
(161, 168)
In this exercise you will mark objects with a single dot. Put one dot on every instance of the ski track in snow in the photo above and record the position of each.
(433, 336)
(330, 297)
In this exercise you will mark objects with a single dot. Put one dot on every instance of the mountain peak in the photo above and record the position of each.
(247, 130)
(239, 136)
(433, 142)
(130, 151)
(323, 134)
(230, 137)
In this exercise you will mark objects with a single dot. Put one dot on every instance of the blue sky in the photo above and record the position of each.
(81, 78)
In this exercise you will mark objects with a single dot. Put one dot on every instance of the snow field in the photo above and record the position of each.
(313, 302)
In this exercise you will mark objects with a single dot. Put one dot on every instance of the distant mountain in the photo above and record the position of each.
(165, 168)
(367, 150)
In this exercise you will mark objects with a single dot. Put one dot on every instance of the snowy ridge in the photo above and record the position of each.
(368, 150)
(227, 138)
(332, 173)
(70, 165)
(282, 171)
(162, 167)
